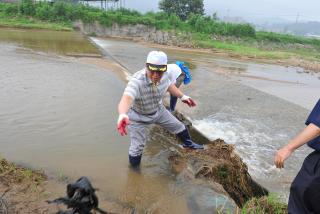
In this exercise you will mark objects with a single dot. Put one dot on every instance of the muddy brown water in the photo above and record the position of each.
(58, 42)
(59, 114)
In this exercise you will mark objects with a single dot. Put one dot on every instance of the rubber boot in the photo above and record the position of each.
(135, 160)
(187, 142)
(173, 102)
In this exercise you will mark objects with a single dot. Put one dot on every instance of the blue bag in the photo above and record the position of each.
(314, 118)
(187, 77)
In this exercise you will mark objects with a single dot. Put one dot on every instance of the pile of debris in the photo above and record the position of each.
(217, 163)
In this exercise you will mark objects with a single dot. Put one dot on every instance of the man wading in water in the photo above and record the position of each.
(141, 105)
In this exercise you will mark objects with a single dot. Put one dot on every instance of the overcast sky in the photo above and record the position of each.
(292, 10)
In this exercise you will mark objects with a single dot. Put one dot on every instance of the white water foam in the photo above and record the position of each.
(254, 141)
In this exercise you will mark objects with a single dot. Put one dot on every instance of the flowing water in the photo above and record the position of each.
(59, 113)
(230, 107)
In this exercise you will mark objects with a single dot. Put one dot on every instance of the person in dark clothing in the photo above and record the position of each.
(304, 191)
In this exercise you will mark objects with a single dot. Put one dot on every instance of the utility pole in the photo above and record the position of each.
(297, 18)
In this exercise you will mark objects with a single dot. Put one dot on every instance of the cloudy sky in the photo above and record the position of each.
(252, 10)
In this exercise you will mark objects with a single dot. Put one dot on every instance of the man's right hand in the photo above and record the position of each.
(123, 121)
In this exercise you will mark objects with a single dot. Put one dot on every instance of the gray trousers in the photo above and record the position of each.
(138, 127)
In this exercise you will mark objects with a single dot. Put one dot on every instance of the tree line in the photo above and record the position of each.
(186, 16)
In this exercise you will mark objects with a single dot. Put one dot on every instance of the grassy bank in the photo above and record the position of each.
(201, 31)
(261, 46)
(10, 173)
(23, 190)
(14, 15)
(25, 22)
(265, 205)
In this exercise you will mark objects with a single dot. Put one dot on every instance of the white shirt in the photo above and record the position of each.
(174, 72)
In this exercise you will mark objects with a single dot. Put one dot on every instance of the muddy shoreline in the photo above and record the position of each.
(27, 190)
(23, 190)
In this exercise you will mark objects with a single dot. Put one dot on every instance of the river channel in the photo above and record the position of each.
(59, 111)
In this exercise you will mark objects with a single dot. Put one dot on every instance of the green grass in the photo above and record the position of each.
(23, 22)
(242, 49)
(265, 205)
(18, 174)
(61, 176)
(255, 50)
(239, 39)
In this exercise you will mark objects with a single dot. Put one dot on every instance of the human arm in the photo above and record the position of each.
(123, 109)
(310, 132)
(173, 90)
(124, 104)
(129, 95)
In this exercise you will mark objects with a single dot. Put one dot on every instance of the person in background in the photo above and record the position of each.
(305, 188)
(178, 73)
(141, 105)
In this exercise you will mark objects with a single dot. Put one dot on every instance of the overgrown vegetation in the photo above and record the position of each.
(65, 12)
(204, 31)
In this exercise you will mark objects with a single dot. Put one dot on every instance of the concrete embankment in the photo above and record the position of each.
(218, 164)
(136, 32)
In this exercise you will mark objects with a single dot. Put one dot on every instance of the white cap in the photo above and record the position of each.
(157, 58)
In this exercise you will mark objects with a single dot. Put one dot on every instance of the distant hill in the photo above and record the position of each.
(301, 29)
(305, 28)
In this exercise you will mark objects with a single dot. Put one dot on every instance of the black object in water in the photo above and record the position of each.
(81, 198)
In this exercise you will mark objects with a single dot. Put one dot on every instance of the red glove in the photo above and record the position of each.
(123, 121)
(188, 101)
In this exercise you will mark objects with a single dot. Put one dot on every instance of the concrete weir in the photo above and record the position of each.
(217, 164)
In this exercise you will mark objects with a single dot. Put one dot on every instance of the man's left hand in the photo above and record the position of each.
(186, 99)
(281, 155)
